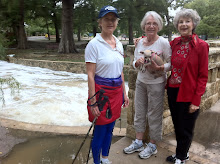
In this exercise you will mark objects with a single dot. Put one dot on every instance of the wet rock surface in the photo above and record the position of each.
(14, 132)
(8, 141)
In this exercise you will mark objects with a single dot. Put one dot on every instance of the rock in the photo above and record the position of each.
(7, 141)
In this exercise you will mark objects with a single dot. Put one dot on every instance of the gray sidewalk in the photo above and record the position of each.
(118, 157)
(205, 148)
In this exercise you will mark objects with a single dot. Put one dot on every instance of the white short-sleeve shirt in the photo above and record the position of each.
(109, 61)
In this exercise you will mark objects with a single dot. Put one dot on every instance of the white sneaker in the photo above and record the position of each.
(172, 158)
(106, 161)
(178, 161)
(133, 148)
(148, 151)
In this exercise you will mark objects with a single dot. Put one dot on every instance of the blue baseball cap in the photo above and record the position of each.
(108, 9)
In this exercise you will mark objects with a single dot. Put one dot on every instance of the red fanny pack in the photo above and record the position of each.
(114, 103)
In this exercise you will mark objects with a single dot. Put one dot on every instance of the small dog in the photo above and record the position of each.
(150, 55)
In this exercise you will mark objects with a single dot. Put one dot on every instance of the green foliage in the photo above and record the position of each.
(40, 15)
(86, 13)
(210, 16)
(182, 3)
(3, 43)
(12, 83)
(205, 29)
(2, 52)
(43, 16)
(37, 26)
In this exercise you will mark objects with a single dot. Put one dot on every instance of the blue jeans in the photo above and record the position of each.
(101, 141)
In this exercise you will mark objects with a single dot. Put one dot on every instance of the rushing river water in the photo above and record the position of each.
(46, 96)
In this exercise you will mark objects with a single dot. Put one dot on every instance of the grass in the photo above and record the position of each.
(42, 54)
(39, 51)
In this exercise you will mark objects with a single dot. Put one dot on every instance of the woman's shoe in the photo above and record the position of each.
(173, 158)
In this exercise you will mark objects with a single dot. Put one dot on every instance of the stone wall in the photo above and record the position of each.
(211, 96)
(75, 67)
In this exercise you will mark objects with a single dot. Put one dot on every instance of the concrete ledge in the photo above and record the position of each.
(54, 129)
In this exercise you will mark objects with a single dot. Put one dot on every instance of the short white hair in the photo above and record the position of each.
(187, 13)
(157, 18)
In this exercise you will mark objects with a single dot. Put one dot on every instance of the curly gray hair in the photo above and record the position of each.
(187, 13)
(157, 18)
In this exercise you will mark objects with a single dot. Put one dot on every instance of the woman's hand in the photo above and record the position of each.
(126, 101)
(136, 40)
(154, 66)
(193, 108)
(95, 111)
(139, 62)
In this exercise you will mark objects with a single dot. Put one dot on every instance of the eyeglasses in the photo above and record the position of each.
(154, 24)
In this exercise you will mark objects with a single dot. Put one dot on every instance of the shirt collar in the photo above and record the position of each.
(99, 37)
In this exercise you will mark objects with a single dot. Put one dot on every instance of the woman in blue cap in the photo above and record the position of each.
(104, 57)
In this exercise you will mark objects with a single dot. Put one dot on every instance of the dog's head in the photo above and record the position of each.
(147, 56)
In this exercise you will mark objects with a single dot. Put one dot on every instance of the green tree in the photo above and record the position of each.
(129, 15)
(210, 16)
(12, 15)
(44, 17)
(55, 13)
(133, 11)
(86, 14)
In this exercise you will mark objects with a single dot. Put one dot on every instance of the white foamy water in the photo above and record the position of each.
(46, 96)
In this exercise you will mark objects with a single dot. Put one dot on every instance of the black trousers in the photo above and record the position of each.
(184, 122)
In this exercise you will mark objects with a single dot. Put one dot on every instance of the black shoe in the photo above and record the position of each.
(172, 158)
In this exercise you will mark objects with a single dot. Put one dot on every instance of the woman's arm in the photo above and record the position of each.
(90, 68)
(126, 99)
(167, 56)
(137, 59)
(202, 77)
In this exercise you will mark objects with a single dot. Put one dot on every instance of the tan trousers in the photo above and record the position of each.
(149, 100)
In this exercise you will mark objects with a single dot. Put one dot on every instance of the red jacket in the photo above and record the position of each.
(195, 73)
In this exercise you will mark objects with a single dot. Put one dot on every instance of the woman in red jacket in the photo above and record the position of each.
(187, 83)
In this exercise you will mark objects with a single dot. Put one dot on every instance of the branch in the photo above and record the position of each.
(13, 85)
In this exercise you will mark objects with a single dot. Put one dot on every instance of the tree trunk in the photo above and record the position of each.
(48, 31)
(56, 24)
(169, 28)
(67, 44)
(130, 31)
(21, 36)
(94, 29)
(94, 21)
(56, 29)
(79, 34)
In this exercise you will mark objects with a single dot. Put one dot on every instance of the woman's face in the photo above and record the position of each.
(108, 23)
(185, 26)
(151, 26)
